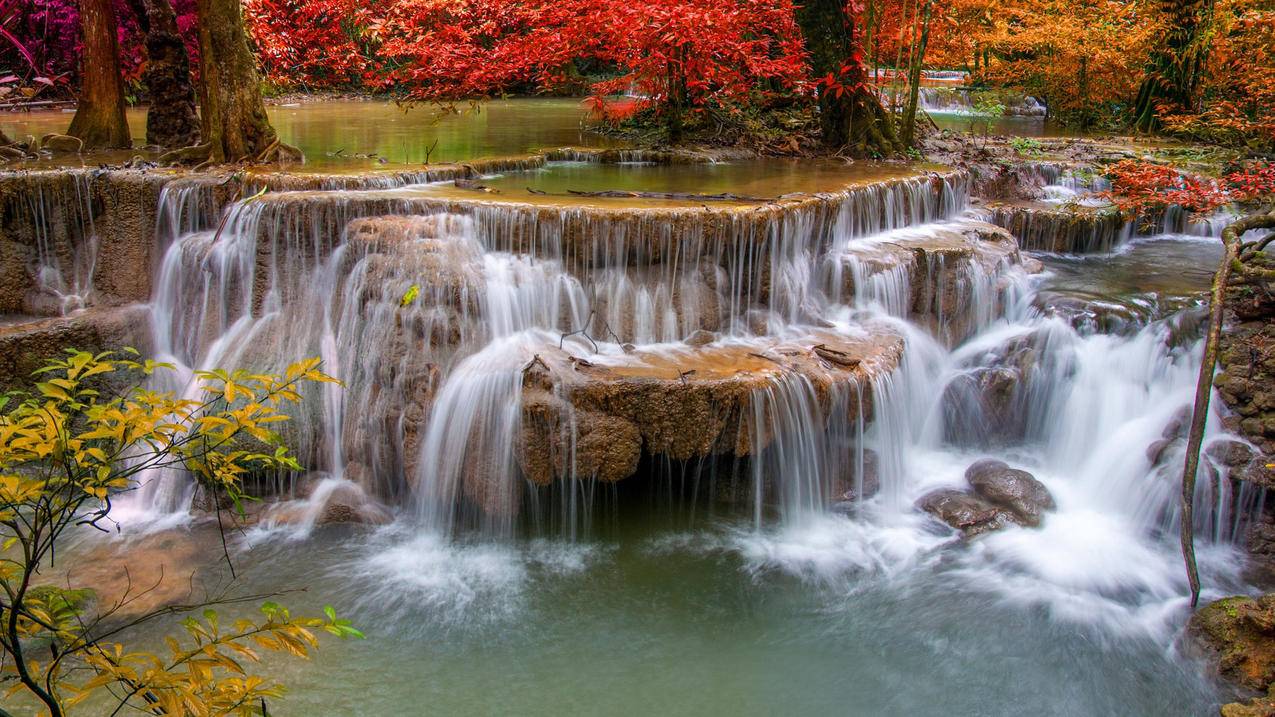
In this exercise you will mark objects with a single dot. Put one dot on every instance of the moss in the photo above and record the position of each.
(1239, 633)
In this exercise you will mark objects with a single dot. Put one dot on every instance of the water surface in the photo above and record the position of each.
(355, 134)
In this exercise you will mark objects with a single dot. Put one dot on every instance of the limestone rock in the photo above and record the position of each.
(968, 513)
(1237, 636)
(1261, 706)
(1010, 488)
(62, 143)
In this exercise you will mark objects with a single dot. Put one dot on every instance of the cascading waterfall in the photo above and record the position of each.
(64, 273)
(434, 315)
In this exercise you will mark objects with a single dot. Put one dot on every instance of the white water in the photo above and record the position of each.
(433, 390)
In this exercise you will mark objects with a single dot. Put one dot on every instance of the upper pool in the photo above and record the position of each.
(368, 134)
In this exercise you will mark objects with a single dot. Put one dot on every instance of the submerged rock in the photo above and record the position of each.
(62, 143)
(1011, 488)
(987, 403)
(968, 513)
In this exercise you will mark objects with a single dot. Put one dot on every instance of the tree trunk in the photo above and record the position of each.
(171, 120)
(914, 76)
(850, 113)
(234, 125)
(676, 106)
(99, 117)
(1173, 72)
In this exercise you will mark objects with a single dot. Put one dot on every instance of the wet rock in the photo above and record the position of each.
(987, 403)
(363, 513)
(843, 507)
(1178, 425)
(61, 143)
(700, 337)
(1237, 636)
(968, 513)
(844, 488)
(15, 279)
(25, 347)
(334, 502)
(1263, 706)
(1011, 488)
(1157, 451)
(1230, 452)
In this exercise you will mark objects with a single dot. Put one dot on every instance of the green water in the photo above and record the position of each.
(334, 133)
(1006, 125)
(711, 621)
(757, 179)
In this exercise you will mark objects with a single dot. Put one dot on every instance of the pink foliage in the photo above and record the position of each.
(44, 38)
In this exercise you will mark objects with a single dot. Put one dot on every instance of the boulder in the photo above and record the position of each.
(986, 403)
(968, 513)
(1236, 635)
(1230, 452)
(700, 337)
(1158, 448)
(62, 143)
(1011, 488)
(1262, 706)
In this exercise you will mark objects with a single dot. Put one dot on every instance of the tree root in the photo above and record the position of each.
(202, 156)
(194, 154)
(280, 152)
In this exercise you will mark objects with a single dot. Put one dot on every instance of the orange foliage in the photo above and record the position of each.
(1238, 94)
(1076, 55)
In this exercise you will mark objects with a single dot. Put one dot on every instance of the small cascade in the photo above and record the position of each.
(65, 241)
(946, 99)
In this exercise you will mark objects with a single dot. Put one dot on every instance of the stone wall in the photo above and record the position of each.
(95, 228)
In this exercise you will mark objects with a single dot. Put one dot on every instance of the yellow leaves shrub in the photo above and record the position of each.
(65, 450)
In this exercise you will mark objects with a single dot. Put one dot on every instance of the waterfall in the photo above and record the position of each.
(490, 350)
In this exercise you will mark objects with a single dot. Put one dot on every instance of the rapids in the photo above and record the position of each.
(692, 581)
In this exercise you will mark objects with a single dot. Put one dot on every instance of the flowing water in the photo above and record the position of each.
(659, 594)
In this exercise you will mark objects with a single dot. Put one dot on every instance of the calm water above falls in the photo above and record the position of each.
(682, 606)
(334, 133)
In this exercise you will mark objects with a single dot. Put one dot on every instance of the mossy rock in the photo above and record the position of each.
(1238, 634)
(1263, 706)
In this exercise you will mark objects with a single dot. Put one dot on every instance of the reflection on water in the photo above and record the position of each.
(1008, 125)
(350, 135)
(1177, 266)
(762, 178)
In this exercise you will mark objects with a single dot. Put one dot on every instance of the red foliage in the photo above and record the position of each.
(1138, 187)
(310, 43)
(708, 50)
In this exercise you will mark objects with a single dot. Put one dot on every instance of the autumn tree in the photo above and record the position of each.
(678, 58)
(1237, 89)
(99, 118)
(171, 119)
(850, 113)
(1079, 56)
